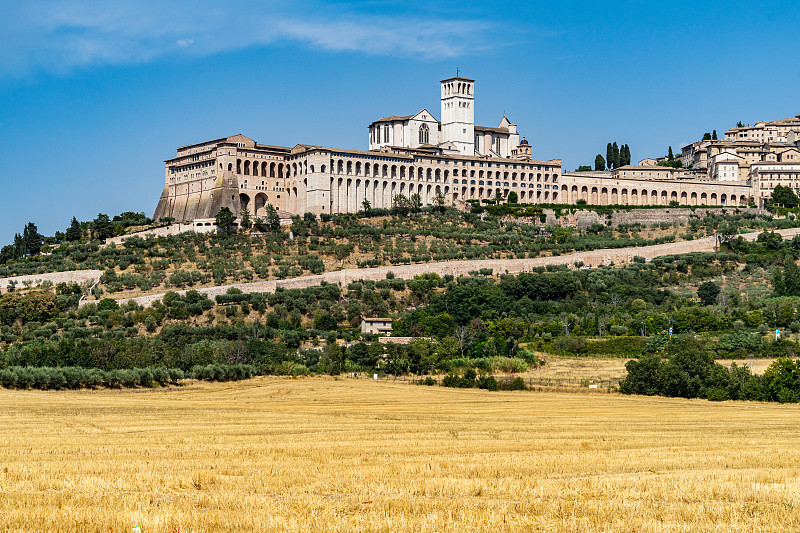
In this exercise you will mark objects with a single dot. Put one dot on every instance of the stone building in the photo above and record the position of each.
(376, 326)
(597, 188)
(455, 134)
(767, 131)
(410, 155)
(452, 159)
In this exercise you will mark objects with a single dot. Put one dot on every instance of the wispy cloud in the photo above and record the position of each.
(59, 35)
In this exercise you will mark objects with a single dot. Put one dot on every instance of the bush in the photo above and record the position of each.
(161, 376)
(127, 378)
(511, 365)
(515, 384)
(8, 378)
(488, 383)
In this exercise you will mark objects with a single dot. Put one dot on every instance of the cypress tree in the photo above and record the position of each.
(791, 277)
(616, 155)
(778, 286)
(714, 135)
(32, 240)
(599, 163)
(19, 246)
(609, 155)
(670, 156)
(73, 232)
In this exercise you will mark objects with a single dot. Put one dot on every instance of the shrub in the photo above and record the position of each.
(175, 375)
(488, 383)
(127, 378)
(8, 378)
(75, 377)
(515, 384)
(55, 378)
(511, 365)
(161, 375)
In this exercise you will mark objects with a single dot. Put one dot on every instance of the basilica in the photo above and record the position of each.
(409, 155)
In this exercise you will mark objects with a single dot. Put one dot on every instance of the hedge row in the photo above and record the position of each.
(74, 377)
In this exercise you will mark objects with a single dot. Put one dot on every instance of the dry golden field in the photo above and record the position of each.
(605, 371)
(329, 455)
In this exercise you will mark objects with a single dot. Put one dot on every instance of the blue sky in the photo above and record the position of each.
(94, 95)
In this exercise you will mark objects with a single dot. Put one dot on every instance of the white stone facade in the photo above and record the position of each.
(456, 134)
(418, 155)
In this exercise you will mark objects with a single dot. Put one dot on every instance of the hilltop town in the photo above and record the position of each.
(455, 162)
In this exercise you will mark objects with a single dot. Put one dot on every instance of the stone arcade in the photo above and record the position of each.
(413, 154)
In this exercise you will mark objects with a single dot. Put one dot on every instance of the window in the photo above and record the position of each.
(424, 134)
(386, 134)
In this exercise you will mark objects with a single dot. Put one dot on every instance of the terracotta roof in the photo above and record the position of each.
(495, 130)
(393, 118)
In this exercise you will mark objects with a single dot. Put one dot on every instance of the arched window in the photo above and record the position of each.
(424, 134)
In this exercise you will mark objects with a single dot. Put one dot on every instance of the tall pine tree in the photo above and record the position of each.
(32, 240)
(609, 155)
(616, 155)
(73, 232)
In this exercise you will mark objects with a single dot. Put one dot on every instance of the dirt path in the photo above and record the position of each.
(594, 258)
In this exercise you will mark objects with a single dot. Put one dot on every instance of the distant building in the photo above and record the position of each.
(408, 155)
(376, 326)
(767, 131)
(454, 159)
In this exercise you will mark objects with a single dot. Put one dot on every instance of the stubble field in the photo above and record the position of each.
(346, 455)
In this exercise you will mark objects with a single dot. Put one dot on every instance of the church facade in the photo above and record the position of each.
(408, 155)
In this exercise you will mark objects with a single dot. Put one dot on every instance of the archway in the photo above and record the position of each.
(260, 204)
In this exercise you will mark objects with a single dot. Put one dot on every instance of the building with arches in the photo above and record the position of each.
(410, 155)
(418, 155)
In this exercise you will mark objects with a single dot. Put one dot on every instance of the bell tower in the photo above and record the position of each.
(458, 113)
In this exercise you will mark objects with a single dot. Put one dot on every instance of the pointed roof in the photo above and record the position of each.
(397, 118)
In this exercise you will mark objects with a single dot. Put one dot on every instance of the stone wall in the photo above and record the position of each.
(583, 218)
(163, 231)
(593, 258)
(73, 276)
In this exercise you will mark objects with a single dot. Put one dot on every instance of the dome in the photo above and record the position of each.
(524, 142)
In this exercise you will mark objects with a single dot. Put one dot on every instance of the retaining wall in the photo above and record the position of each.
(593, 258)
(72, 276)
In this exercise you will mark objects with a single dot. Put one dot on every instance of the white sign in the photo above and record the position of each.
(374, 376)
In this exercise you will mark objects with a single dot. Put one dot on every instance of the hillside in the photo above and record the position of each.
(484, 321)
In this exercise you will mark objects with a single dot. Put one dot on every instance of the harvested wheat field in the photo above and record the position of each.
(328, 455)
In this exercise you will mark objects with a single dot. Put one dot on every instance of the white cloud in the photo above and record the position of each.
(59, 35)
